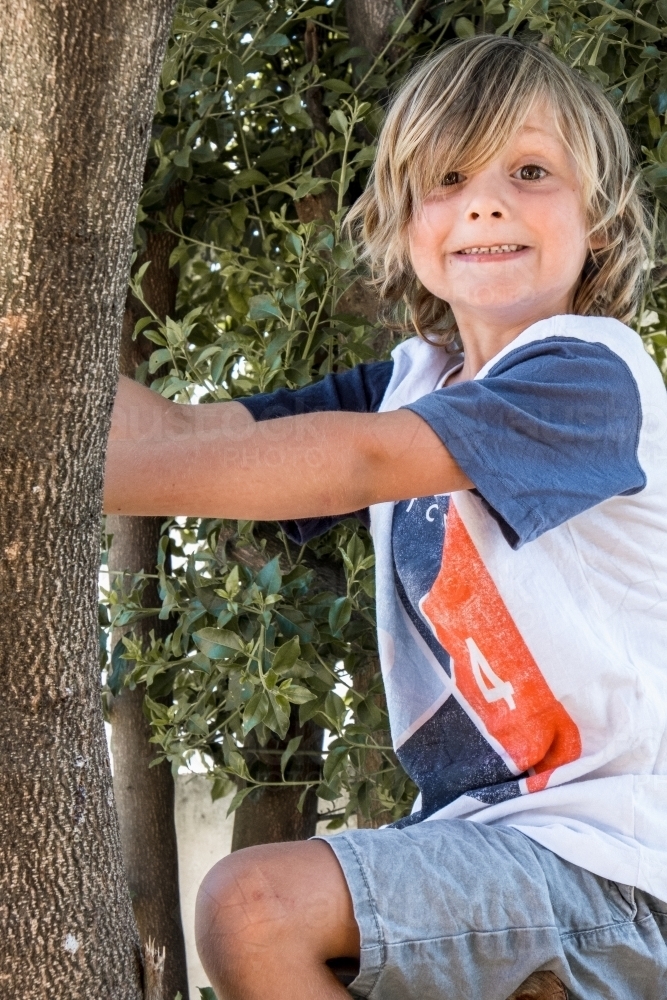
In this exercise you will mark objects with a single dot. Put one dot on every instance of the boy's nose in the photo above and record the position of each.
(485, 200)
(495, 214)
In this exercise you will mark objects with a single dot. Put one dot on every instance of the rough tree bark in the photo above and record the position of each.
(368, 22)
(77, 86)
(145, 795)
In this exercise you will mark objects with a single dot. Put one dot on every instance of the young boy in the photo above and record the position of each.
(518, 494)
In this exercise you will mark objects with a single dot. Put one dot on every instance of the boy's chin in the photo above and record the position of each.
(488, 306)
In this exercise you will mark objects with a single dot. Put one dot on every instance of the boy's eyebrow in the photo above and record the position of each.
(536, 128)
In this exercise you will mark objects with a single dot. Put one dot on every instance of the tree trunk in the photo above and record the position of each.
(154, 962)
(145, 795)
(540, 986)
(77, 87)
(368, 22)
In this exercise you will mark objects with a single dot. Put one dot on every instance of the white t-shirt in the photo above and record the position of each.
(523, 625)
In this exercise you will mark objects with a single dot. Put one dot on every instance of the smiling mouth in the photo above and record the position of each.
(499, 248)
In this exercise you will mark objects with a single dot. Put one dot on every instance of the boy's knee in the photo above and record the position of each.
(287, 899)
(229, 910)
(240, 916)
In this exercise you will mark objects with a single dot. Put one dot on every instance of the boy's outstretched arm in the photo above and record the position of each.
(214, 460)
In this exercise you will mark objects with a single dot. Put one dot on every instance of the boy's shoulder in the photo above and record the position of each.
(597, 335)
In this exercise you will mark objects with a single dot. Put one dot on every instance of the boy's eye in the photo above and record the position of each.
(453, 177)
(531, 172)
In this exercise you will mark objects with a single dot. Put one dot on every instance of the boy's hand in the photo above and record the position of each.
(214, 460)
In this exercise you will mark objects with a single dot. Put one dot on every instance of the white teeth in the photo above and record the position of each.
(502, 248)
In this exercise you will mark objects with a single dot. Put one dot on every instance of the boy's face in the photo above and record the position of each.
(505, 246)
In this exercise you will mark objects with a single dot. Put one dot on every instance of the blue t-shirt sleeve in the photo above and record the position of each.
(549, 432)
(358, 390)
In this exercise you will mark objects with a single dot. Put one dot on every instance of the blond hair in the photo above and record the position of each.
(455, 113)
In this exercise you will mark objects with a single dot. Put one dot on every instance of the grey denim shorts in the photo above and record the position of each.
(454, 910)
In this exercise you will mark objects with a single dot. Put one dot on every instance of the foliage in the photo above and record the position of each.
(264, 134)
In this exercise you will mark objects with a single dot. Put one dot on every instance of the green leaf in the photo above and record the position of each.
(363, 799)
(294, 243)
(120, 668)
(339, 121)
(338, 86)
(297, 694)
(312, 12)
(201, 662)
(236, 762)
(289, 751)
(158, 713)
(292, 294)
(269, 577)
(192, 131)
(294, 113)
(142, 323)
(293, 104)
(182, 157)
(339, 614)
(661, 149)
(255, 711)
(264, 307)
(293, 622)
(237, 300)
(278, 342)
(218, 643)
(154, 337)
(197, 724)
(206, 993)
(464, 27)
(238, 213)
(248, 178)
(158, 358)
(365, 155)
(286, 655)
(343, 255)
(274, 43)
(218, 365)
(222, 785)
(281, 711)
(272, 158)
(174, 332)
(309, 185)
(335, 760)
(236, 69)
(327, 793)
(233, 806)
(302, 798)
(138, 277)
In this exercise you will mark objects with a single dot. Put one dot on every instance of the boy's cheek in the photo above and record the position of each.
(430, 265)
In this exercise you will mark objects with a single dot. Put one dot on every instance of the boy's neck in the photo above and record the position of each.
(484, 337)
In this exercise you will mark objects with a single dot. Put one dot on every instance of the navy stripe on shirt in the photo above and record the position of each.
(359, 390)
(549, 432)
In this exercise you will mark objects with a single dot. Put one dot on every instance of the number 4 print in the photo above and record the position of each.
(495, 689)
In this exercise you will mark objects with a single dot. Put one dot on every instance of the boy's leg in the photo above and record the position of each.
(269, 917)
